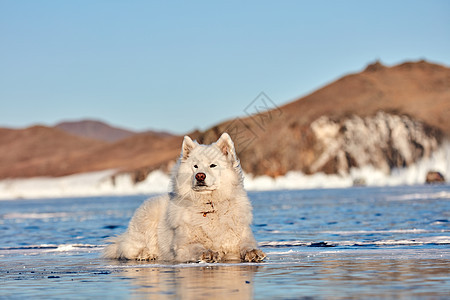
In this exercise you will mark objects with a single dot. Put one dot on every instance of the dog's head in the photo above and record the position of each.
(207, 168)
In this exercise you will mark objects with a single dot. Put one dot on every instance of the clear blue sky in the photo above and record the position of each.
(180, 65)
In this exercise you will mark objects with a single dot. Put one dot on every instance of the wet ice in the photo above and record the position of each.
(366, 242)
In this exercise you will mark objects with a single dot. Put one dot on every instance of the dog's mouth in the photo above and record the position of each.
(203, 187)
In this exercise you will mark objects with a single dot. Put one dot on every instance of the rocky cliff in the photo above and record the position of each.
(384, 141)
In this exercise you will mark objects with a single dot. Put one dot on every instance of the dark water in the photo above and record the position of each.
(330, 244)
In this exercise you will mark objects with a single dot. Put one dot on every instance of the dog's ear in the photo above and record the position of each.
(187, 147)
(226, 146)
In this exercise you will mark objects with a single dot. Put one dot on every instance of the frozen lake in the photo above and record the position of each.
(331, 243)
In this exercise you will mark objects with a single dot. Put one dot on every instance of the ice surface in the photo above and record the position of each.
(365, 242)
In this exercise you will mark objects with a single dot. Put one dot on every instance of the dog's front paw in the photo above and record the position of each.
(144, 255)
(254, 255)
(146, 258)
(210, 256)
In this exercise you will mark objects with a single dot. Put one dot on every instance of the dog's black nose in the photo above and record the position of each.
(200, 176)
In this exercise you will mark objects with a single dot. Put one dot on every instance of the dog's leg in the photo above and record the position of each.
(249, 249)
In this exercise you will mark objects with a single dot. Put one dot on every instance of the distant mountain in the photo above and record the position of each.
(41, 151)
(384, 117)
(95, 130)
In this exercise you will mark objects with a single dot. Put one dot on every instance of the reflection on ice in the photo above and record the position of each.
(191, 282)
(306, 272)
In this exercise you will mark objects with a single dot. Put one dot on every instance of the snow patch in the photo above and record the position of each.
(106, 183)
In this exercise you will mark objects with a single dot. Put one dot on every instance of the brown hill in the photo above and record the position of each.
(281, 139)
(140, 154)
(95, 130)
(419, 89)
(40, 151)
(44, 151)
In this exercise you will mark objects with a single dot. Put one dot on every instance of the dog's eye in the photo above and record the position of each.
(212, 165)
(195, 166)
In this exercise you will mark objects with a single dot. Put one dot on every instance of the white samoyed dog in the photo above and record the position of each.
(206, 217)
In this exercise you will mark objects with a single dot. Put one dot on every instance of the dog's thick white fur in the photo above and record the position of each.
(206, 217)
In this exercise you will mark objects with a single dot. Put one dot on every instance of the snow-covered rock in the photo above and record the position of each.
(384, 141)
